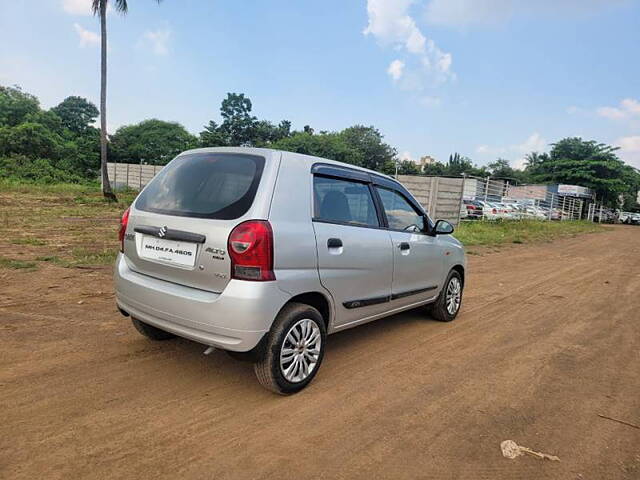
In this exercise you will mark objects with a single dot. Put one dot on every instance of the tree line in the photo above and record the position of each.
(62, 144)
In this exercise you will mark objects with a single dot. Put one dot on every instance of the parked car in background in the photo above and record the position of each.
(471, 210)
(629, 218)
(264, 253)
(505, 211)
(489, 210)
(535, 213)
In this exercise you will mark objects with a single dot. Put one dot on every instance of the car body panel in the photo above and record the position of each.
(235, 314)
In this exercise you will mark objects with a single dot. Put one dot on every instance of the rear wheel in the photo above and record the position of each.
(447, 306)
(294, 350)
(150, 331)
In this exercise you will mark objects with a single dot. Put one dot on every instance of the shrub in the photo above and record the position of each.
(38, 170)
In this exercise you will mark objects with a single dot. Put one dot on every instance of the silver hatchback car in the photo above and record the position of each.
(264, 253)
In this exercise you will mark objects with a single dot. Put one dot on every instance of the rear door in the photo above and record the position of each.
(417, 256)
(355, 259)
(179, 225)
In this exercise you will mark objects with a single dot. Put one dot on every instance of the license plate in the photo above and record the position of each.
(170, 251)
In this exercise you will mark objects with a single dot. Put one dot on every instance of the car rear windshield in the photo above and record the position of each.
(206, 185)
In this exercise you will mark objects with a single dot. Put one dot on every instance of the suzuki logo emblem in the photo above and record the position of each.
(162, 232)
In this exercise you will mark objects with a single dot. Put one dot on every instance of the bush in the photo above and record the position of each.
(39, 170)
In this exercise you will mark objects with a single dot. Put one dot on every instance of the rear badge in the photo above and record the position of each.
(218, 253)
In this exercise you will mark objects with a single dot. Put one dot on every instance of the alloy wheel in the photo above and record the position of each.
(453, 295)
(300, 350)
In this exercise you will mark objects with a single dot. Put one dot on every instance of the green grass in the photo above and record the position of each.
(21, 186)
(28, 241)
(494, 233)
(84, 257)
(16, 264)
(85, 193)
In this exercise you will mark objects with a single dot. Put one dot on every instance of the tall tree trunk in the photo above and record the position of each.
(106, 186)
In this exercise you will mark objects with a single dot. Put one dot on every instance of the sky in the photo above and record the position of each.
(485, 78)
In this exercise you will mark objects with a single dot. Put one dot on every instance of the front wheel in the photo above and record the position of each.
(448, 303)
(294, 350)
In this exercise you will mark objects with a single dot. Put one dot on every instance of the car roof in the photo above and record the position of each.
(268, 152)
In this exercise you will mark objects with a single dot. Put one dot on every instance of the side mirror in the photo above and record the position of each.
(443, 227)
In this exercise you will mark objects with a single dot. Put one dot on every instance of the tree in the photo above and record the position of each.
(99, 7)
(405, 167)
(31, 140)
(238, 124)
(501, 168)
(368, 141)
(240, 128)
(211, 136)
(76, 113)
(435, 168)
(16, 105)
(326, 145)
(457, 164)
(587, 163)
(153, 142)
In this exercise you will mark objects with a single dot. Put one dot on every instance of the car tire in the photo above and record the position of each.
(283, 358)
(150, 331)
(443, 309)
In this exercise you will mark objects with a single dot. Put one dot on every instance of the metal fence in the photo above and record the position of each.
(493, 199)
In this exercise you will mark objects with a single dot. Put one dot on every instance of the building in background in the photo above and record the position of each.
(424, 161)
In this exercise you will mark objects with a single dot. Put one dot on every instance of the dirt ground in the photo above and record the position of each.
(548, 339)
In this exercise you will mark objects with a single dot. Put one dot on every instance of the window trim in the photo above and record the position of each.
(345, 173)
(411, 203)
(315, 218)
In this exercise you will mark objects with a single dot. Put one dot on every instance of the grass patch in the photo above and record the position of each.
(21, 186)
(82, 257)
(521, 231)
(28, 241)
(16, 264)
(82, 194)
(85, 257)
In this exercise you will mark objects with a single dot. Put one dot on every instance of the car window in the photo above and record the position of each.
(206, 185)
(343, 201)
(400, 213)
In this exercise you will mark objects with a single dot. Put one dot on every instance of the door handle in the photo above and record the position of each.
(404, 246)
(334, 243)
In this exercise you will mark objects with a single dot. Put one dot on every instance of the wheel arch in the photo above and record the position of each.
(317, 300)
(460, 269)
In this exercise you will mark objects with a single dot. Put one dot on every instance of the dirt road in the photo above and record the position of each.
(548, 338)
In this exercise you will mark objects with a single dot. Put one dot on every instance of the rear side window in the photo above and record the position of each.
(343, 201)
(206, 185)
(400, 213)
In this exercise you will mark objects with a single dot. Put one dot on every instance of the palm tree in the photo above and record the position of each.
(99, 7)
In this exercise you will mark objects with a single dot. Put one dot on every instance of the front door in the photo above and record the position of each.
(417, 257)
(355, 259)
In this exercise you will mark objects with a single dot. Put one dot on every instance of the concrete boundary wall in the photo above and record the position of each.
(131, 175)
(440, 196)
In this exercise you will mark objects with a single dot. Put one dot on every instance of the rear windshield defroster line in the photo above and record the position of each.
(204, 185)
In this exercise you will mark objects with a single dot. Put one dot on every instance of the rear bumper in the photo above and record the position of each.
(235, 319)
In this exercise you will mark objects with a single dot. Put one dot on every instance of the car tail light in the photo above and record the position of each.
(494, 211)
(251, 251)
(123, 228)
(471, 207)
